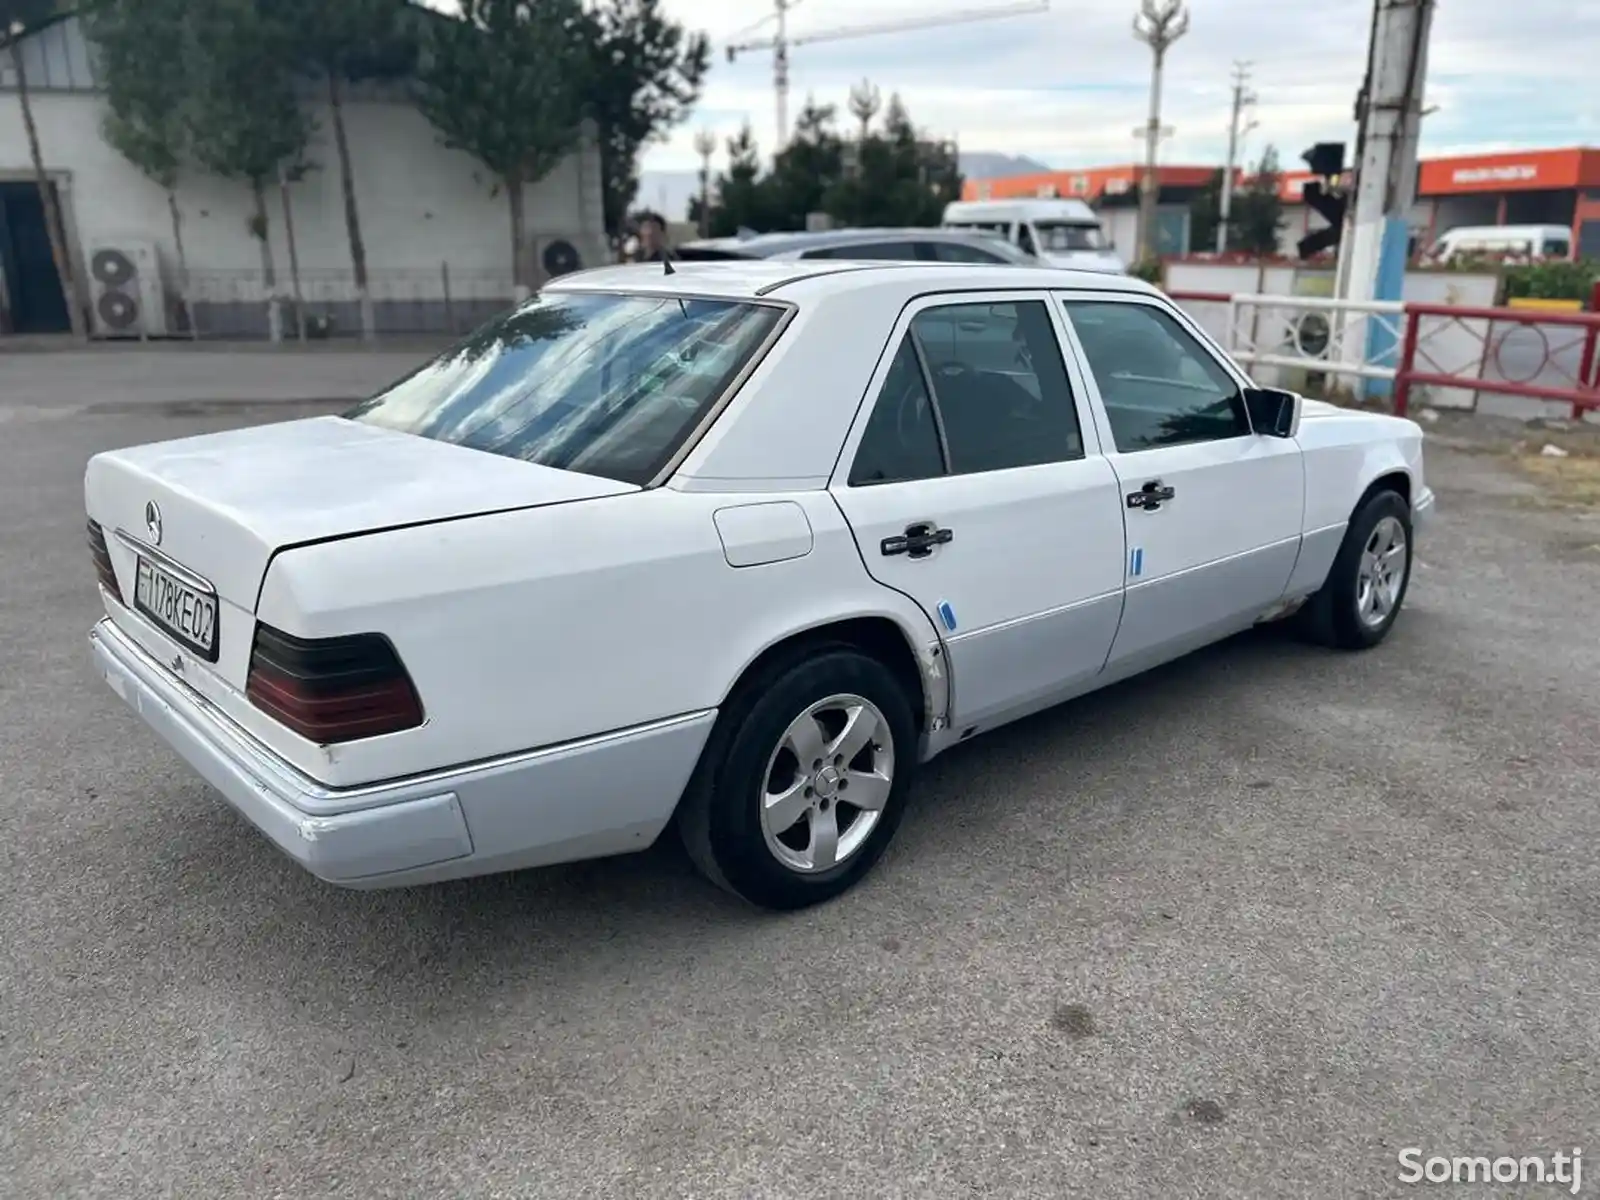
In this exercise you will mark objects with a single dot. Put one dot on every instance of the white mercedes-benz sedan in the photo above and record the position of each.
(734, 547)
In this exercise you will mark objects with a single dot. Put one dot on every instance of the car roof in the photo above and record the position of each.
(763, 244)
(804, 280)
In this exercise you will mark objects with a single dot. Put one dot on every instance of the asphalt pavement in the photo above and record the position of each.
(1247, 926)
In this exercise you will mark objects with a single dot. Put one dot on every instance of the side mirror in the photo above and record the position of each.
(1273, 412)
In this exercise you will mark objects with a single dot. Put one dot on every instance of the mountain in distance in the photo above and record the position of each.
(669, 192)
(987, 164)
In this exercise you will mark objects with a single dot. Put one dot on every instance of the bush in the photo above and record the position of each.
(1148, 270)
(1552, 280)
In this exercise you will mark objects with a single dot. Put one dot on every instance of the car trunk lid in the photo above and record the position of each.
(219, 506)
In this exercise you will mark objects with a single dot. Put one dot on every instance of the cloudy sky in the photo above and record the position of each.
(1069, 86)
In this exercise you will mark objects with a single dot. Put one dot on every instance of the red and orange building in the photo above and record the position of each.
(1527, 187)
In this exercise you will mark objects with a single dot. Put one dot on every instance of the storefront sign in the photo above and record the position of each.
(1517, 173)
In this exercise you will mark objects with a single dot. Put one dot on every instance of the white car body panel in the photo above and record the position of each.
(1207, 564)
(1021, 624)
(573, 638)
(631, 614)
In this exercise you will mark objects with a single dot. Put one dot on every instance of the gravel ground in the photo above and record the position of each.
(1244, 927)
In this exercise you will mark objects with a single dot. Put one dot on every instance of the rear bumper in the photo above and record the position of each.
(600, 796)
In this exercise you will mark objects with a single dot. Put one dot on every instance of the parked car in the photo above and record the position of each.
(1064, 233)
(910, 245)
(736, 547)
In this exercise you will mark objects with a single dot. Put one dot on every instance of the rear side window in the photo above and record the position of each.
(901, 441)
(605, 384)
(893, 251)
(999, 390)
(959, 252)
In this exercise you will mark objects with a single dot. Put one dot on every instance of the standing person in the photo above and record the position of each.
(652, 239)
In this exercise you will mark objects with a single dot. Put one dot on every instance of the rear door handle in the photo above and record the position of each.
(1151, 496)
(918, 540)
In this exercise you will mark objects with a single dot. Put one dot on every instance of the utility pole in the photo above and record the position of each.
(1386, 167)
(1243, 98)
(1158, 24)
(705, 145)
(780, 71)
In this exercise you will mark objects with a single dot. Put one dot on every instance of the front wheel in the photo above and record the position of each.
(804, 780)
(1365, 588)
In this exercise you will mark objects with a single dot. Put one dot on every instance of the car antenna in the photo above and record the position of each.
(666, 262)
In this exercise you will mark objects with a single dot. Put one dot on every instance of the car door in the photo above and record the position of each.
(974, 484)
(1213, 511)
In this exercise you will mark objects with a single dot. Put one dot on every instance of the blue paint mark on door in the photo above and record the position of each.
(1136, 562)
(947, 615)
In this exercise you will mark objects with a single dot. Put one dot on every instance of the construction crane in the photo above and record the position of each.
(780, 43)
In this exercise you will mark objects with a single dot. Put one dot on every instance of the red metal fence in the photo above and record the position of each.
(1554, 360)
(1537, 354)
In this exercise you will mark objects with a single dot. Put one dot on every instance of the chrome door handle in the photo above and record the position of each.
(1151, 496)
(918, 540)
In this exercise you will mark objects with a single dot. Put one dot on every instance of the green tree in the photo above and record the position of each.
(505, 83)
(644, 75)
(804, 170)
(1257, 216)
(741, 200)
(244, 121)
(897, 177)
(340, 41)
(1205, 214)
(147, 94)
(17, 19)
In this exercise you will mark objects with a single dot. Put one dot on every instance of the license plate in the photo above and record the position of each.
(187, 614)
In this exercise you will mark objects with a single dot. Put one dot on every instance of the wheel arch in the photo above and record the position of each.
(1392, 479)
(916, 657)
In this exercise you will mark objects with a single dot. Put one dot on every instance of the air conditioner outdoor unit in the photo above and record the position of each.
(125, 289)
(554, 256)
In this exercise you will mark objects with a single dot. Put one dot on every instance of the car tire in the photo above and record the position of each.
(1355, 608)
(734, 815)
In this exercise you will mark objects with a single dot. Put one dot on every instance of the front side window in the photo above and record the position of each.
(1554, 248)
(605, 384)
(1000, 396)
(1059, 237)
(1159, 386)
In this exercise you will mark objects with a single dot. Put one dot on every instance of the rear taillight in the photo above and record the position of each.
(102, 560)
(331, 689)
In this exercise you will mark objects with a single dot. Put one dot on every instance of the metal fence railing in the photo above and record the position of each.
(323, 305)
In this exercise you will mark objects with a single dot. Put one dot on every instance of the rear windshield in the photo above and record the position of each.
(605, 384)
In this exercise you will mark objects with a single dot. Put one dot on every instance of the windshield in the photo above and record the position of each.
(1059, 237)
(605, 384)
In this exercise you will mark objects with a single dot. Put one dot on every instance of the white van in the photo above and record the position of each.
(1531, 242)
(1064, 233)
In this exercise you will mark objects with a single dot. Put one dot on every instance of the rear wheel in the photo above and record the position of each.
(1362, 596)
(803, 782)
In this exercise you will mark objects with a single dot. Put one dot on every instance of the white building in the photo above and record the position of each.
(438, 241)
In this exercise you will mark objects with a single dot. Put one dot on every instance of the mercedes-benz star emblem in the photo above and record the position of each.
(152, 522)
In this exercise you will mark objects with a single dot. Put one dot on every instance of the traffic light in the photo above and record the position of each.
(1326, 160)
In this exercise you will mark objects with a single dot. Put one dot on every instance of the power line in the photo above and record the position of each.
(780, 43)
